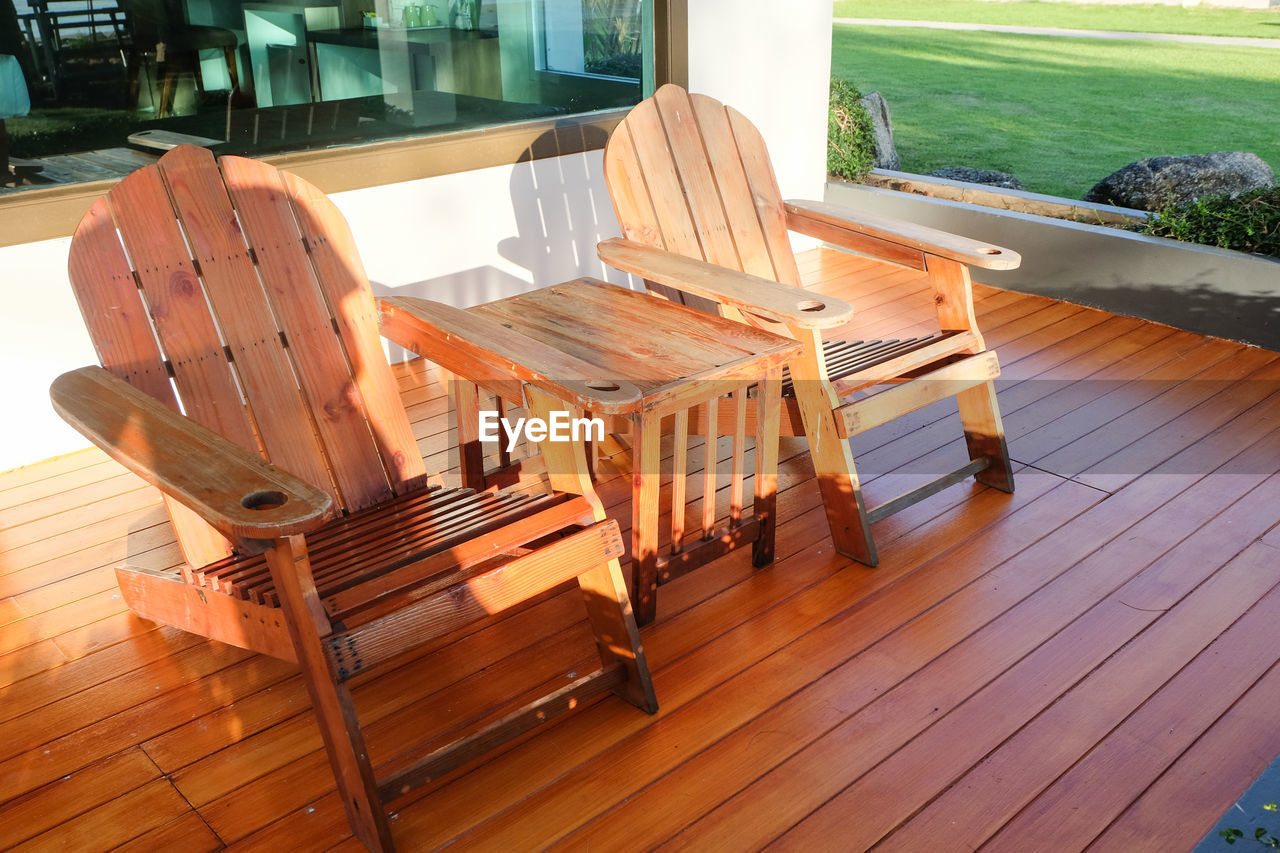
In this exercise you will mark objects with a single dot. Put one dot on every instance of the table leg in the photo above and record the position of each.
(768, 426)
(645, 478)
(466, 405)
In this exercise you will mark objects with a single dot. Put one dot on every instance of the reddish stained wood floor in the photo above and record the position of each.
(1087, 663)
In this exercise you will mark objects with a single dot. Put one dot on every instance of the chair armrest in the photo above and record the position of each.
(488, 353)
(762, 297)
(834, 223)
(235, 490)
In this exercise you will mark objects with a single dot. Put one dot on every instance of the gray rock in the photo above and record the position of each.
(978, 176)
(882, 126)
(1151, 183)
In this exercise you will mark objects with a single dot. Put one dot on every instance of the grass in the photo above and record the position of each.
(59, 130)
(1060, 113)
(1197, 20)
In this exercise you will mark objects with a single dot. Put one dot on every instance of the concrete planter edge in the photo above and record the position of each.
(1203, 289)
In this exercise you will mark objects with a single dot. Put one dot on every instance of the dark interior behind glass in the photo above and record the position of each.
(91, 89)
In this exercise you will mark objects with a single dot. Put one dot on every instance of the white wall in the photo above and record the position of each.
(470, 237)
(772, 62)
(41, 335)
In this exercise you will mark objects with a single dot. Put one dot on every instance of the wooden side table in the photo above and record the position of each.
(678, 359)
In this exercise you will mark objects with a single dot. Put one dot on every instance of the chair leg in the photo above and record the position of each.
(984, 434)
(616, 633)
(349, 758)
(198, 75)
(829, 450)
(841, 489)
(331, 700)
(168, 88)
(134, 81)
(233, 73)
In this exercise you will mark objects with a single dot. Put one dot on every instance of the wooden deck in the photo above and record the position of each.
(103, 164)
(1090, 662)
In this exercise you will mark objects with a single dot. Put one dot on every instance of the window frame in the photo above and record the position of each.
(51, 213)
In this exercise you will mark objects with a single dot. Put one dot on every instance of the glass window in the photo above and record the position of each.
(92, 89)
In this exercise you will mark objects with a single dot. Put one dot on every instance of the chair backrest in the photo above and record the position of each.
(151, 21)
(74, 32)
(692, 176)
(234, 291)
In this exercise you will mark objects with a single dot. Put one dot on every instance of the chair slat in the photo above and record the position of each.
(766, 195)
(113, 308)
(346, 534)
(243, 314)
(346, 288)
(179, 309)
(117, 320)
(419, 525)
(180, 315)
(662, 181)
(631, 201)
(754, 252)
(346, 571)
(262, 203)
(701, 194)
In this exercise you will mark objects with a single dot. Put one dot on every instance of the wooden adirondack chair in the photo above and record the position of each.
(236, 289)
(693, 187)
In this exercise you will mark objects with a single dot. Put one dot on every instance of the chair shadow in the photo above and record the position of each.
(562, 208)
(1252, 318)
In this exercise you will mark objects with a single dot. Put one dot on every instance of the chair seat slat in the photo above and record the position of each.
(353, 551)
(844, 358)
(344, 534)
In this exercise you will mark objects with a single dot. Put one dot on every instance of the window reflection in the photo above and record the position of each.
(110, 83)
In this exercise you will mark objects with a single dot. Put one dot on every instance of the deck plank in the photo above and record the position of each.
(76, 793)
(118, 820)
(1184, 803)
(1120, 651)
(708, 778)
(1090, 794)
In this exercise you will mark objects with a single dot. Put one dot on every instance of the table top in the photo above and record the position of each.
(377, 37)
(667, 350)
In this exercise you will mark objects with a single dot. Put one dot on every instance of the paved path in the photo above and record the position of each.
(1238, 41)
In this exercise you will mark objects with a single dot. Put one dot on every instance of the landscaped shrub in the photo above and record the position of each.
(850, 141)
(1250, 222)
(63, 130)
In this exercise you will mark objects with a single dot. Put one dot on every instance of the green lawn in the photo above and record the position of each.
(1060, 113)
(1196, 20)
